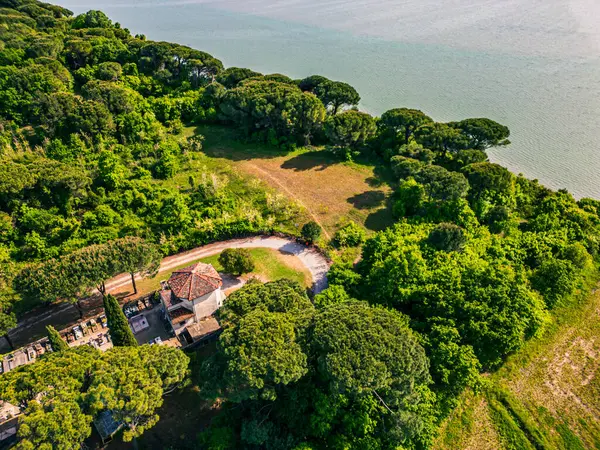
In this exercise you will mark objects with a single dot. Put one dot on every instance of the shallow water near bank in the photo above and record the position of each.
(533, 65)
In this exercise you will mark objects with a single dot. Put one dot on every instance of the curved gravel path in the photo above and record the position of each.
(314, 261)
(34, 326)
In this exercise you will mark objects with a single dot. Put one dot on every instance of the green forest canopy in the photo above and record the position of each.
(479, 260)
(61, 393)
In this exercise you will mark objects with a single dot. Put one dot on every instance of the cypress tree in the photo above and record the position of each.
(120, 333)
(58, 344)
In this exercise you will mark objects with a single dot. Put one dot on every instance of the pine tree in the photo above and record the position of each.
(136, 255)
(58, 344)
(120, 333)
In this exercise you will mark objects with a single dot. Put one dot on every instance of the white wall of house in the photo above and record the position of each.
(202, 307)
(208, 304)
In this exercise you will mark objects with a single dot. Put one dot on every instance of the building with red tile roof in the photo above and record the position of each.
(194, 281)
(190, 298)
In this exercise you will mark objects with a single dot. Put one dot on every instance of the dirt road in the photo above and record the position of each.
(63, 314)
(314, 261)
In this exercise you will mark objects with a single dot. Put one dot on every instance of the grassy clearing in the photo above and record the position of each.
(546, 396)
(554, 380)
(240, 185)
(270, 265)
(331, 191)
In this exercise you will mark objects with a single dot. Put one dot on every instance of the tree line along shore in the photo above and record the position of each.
(98, 177)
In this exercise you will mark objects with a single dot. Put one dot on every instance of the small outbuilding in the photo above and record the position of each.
(138, 323)
(106, 426)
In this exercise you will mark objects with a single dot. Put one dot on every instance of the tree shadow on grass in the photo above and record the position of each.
(367, 200)
(225, 142)
(380, 219)
(375, 182)
(384, 175)
(318, 160)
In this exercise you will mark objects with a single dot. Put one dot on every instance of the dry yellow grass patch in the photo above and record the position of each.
(469, 427)
(331, 191)
(331, 194)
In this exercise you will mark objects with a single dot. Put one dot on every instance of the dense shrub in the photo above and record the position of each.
(556, 279)
(311, 231)
(350, 235)
(447, 237)
(236, 261)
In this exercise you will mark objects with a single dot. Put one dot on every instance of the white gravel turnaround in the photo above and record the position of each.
(314, 261)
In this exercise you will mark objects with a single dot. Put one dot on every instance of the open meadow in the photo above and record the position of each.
(331, 191)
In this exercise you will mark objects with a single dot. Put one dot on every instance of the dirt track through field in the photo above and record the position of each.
(293, 196)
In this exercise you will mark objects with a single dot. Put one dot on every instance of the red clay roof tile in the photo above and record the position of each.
(195, 281)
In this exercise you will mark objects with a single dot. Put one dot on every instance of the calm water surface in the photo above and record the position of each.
(533, 65)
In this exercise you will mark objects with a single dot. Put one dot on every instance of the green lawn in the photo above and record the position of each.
(269, 265)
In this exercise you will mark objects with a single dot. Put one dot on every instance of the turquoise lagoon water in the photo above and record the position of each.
(533, 65)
